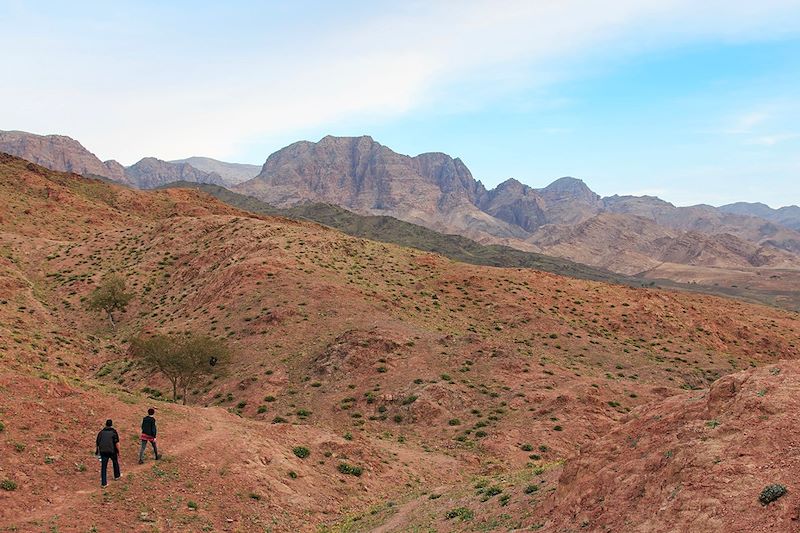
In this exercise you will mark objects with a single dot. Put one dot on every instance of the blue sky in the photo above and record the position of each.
(691, 101)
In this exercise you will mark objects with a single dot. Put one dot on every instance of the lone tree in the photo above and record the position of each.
(183, 360)
(110, 296)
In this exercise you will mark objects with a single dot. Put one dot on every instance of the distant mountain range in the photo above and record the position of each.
(626, 234)
(65, 154)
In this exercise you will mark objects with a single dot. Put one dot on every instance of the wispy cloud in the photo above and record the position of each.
(746, 122)
(772, 140)
(150, 79)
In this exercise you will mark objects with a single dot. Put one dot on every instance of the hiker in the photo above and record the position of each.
(107, 447)
(148, 434)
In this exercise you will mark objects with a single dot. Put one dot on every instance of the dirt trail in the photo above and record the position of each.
(73, 499)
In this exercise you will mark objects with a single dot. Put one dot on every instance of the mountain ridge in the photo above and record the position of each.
(439, 192)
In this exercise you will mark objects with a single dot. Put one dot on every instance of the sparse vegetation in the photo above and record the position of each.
(462, 513)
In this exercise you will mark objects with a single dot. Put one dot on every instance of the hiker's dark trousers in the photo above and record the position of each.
(104, 457)
(144, 446)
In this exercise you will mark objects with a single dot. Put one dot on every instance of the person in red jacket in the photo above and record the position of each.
(149, 435)
(107, 447)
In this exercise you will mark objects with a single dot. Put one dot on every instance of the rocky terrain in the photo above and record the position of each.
(58, 152)
(626, 234)
(467, 398)
(150, 173)
(64, 154)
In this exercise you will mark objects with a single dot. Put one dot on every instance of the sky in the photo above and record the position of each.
(695, 102)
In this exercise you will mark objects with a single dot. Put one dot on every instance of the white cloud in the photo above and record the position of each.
(189, 90)
(772, 140)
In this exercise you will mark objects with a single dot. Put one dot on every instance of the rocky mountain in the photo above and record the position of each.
(788, 216)
(58, 152)
(567, 219)
(232, 173)
(150, 173)
(630, 235)
(433, 190)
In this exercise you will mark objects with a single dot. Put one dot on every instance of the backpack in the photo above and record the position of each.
(107, 441)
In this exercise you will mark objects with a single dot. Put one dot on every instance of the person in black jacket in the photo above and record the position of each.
(148, 435)
(107, 447)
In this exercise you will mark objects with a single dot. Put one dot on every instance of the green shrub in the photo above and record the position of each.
(292, 474)
(269, 398)
(254, 496)
(454, 422)
(530, 489)
(241, 405)
(279, 420)
(347, 436)
(349, 469)
(261, 409)
(191, 505)
(409, 399)
(8, 485)
(526, 447)
(772, 493)
(462, 513)
(303, 413)
(492, 491)
(301, 451)
(2, 427)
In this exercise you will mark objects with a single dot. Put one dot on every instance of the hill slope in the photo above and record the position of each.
(430, 375)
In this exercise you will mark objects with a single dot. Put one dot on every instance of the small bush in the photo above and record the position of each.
(492, 491)
(771, 493)
(462, 513)
(279, 420)
(191, 505)
(350, 470)
(261, 409)
(526, 447)
(254, 496)
(8, 485)
(409, 399)
(347, 436)
(557, 428)
(2, 427)
(301, 451)
(292, 474)
(269, 398)
(530, 489)
(454, 422)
